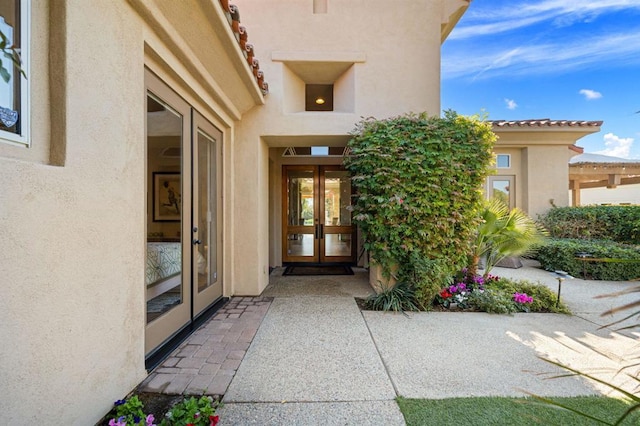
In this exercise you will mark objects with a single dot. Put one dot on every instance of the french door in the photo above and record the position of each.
(316, 217)
(184, 220)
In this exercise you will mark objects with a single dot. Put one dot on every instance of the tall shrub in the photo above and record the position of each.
(418, 183)
(617, 223)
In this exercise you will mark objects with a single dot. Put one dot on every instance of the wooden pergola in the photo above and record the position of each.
(600, 171)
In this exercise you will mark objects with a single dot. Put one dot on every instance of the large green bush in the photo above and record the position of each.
(617, 223)
(619, 262)
(418, 183)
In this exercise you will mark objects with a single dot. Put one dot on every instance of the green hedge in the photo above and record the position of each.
(616, 223)
(560, 254)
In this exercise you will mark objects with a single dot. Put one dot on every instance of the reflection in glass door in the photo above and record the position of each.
(316, 220)
(167, 279)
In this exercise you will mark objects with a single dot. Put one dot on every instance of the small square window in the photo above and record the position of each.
(319, 97)
(503, 161)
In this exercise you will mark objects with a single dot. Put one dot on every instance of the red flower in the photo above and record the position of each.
(214, 420)
(444, 293)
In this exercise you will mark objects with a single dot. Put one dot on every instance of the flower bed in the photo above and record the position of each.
(497, 295)
(187, 411)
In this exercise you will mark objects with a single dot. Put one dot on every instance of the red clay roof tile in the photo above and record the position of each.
(240, 33)
(545, 122)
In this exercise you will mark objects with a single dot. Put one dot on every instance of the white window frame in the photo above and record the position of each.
(508, 161)
(23, 138)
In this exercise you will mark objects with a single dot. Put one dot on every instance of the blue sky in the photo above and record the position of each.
(558, 59)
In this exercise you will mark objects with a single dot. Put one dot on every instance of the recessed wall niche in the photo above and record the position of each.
(319, 82)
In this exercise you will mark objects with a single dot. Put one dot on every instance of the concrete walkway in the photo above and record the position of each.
(316, 359)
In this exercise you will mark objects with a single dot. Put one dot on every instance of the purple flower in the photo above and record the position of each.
(149, 420)
(478, 279)
(453, 289)
(120, 422)
(522, 298)
(120, 402)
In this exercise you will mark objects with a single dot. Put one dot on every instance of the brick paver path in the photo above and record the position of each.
(207, 361)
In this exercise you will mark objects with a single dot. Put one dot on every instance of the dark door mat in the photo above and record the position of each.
(318, 270)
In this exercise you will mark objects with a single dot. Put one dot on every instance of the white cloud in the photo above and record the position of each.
(590, 94)
(558, 12)
(542, 58)
(511, 104)
(616, 146)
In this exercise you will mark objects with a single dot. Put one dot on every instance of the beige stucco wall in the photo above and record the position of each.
(383, 60)
(72, 206)
(72, 317)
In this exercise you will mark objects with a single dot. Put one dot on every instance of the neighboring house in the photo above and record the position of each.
(531, 161)
(603, 179)
(145, 168)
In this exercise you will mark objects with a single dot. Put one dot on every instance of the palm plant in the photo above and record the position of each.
(504, 232)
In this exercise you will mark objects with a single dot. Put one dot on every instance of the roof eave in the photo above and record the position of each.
(453, 11)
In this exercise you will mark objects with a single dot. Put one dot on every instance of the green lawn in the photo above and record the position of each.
(511, 411)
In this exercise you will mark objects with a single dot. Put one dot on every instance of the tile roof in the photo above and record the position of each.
(240, 32)
(545, 122)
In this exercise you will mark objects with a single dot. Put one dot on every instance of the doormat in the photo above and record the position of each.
(318, 270)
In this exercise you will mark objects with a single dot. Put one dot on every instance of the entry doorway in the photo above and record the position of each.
(316, 218)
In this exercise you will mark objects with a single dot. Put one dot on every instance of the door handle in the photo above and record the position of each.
(196, 242)
(321, 231)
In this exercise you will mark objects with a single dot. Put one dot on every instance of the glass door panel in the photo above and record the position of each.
(501, 187)
(207, 217)
(336, 230)
(168, 254)
(300, 213)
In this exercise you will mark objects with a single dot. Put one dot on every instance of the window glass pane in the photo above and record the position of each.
(337, 244)
(163, 277)
(501, 191)
(300, 244)
(206, 251)
(10, 91)
(337, 197)
(300, 193)
(319, 150)
(503, 161)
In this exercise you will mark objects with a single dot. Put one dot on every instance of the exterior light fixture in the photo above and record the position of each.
(560, 276)
(319, 101)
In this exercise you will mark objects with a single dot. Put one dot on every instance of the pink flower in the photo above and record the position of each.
(149, 420)
(522, 298)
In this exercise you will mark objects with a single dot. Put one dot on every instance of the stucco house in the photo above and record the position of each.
(532, 157)
(143, 174)
(163, 155)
